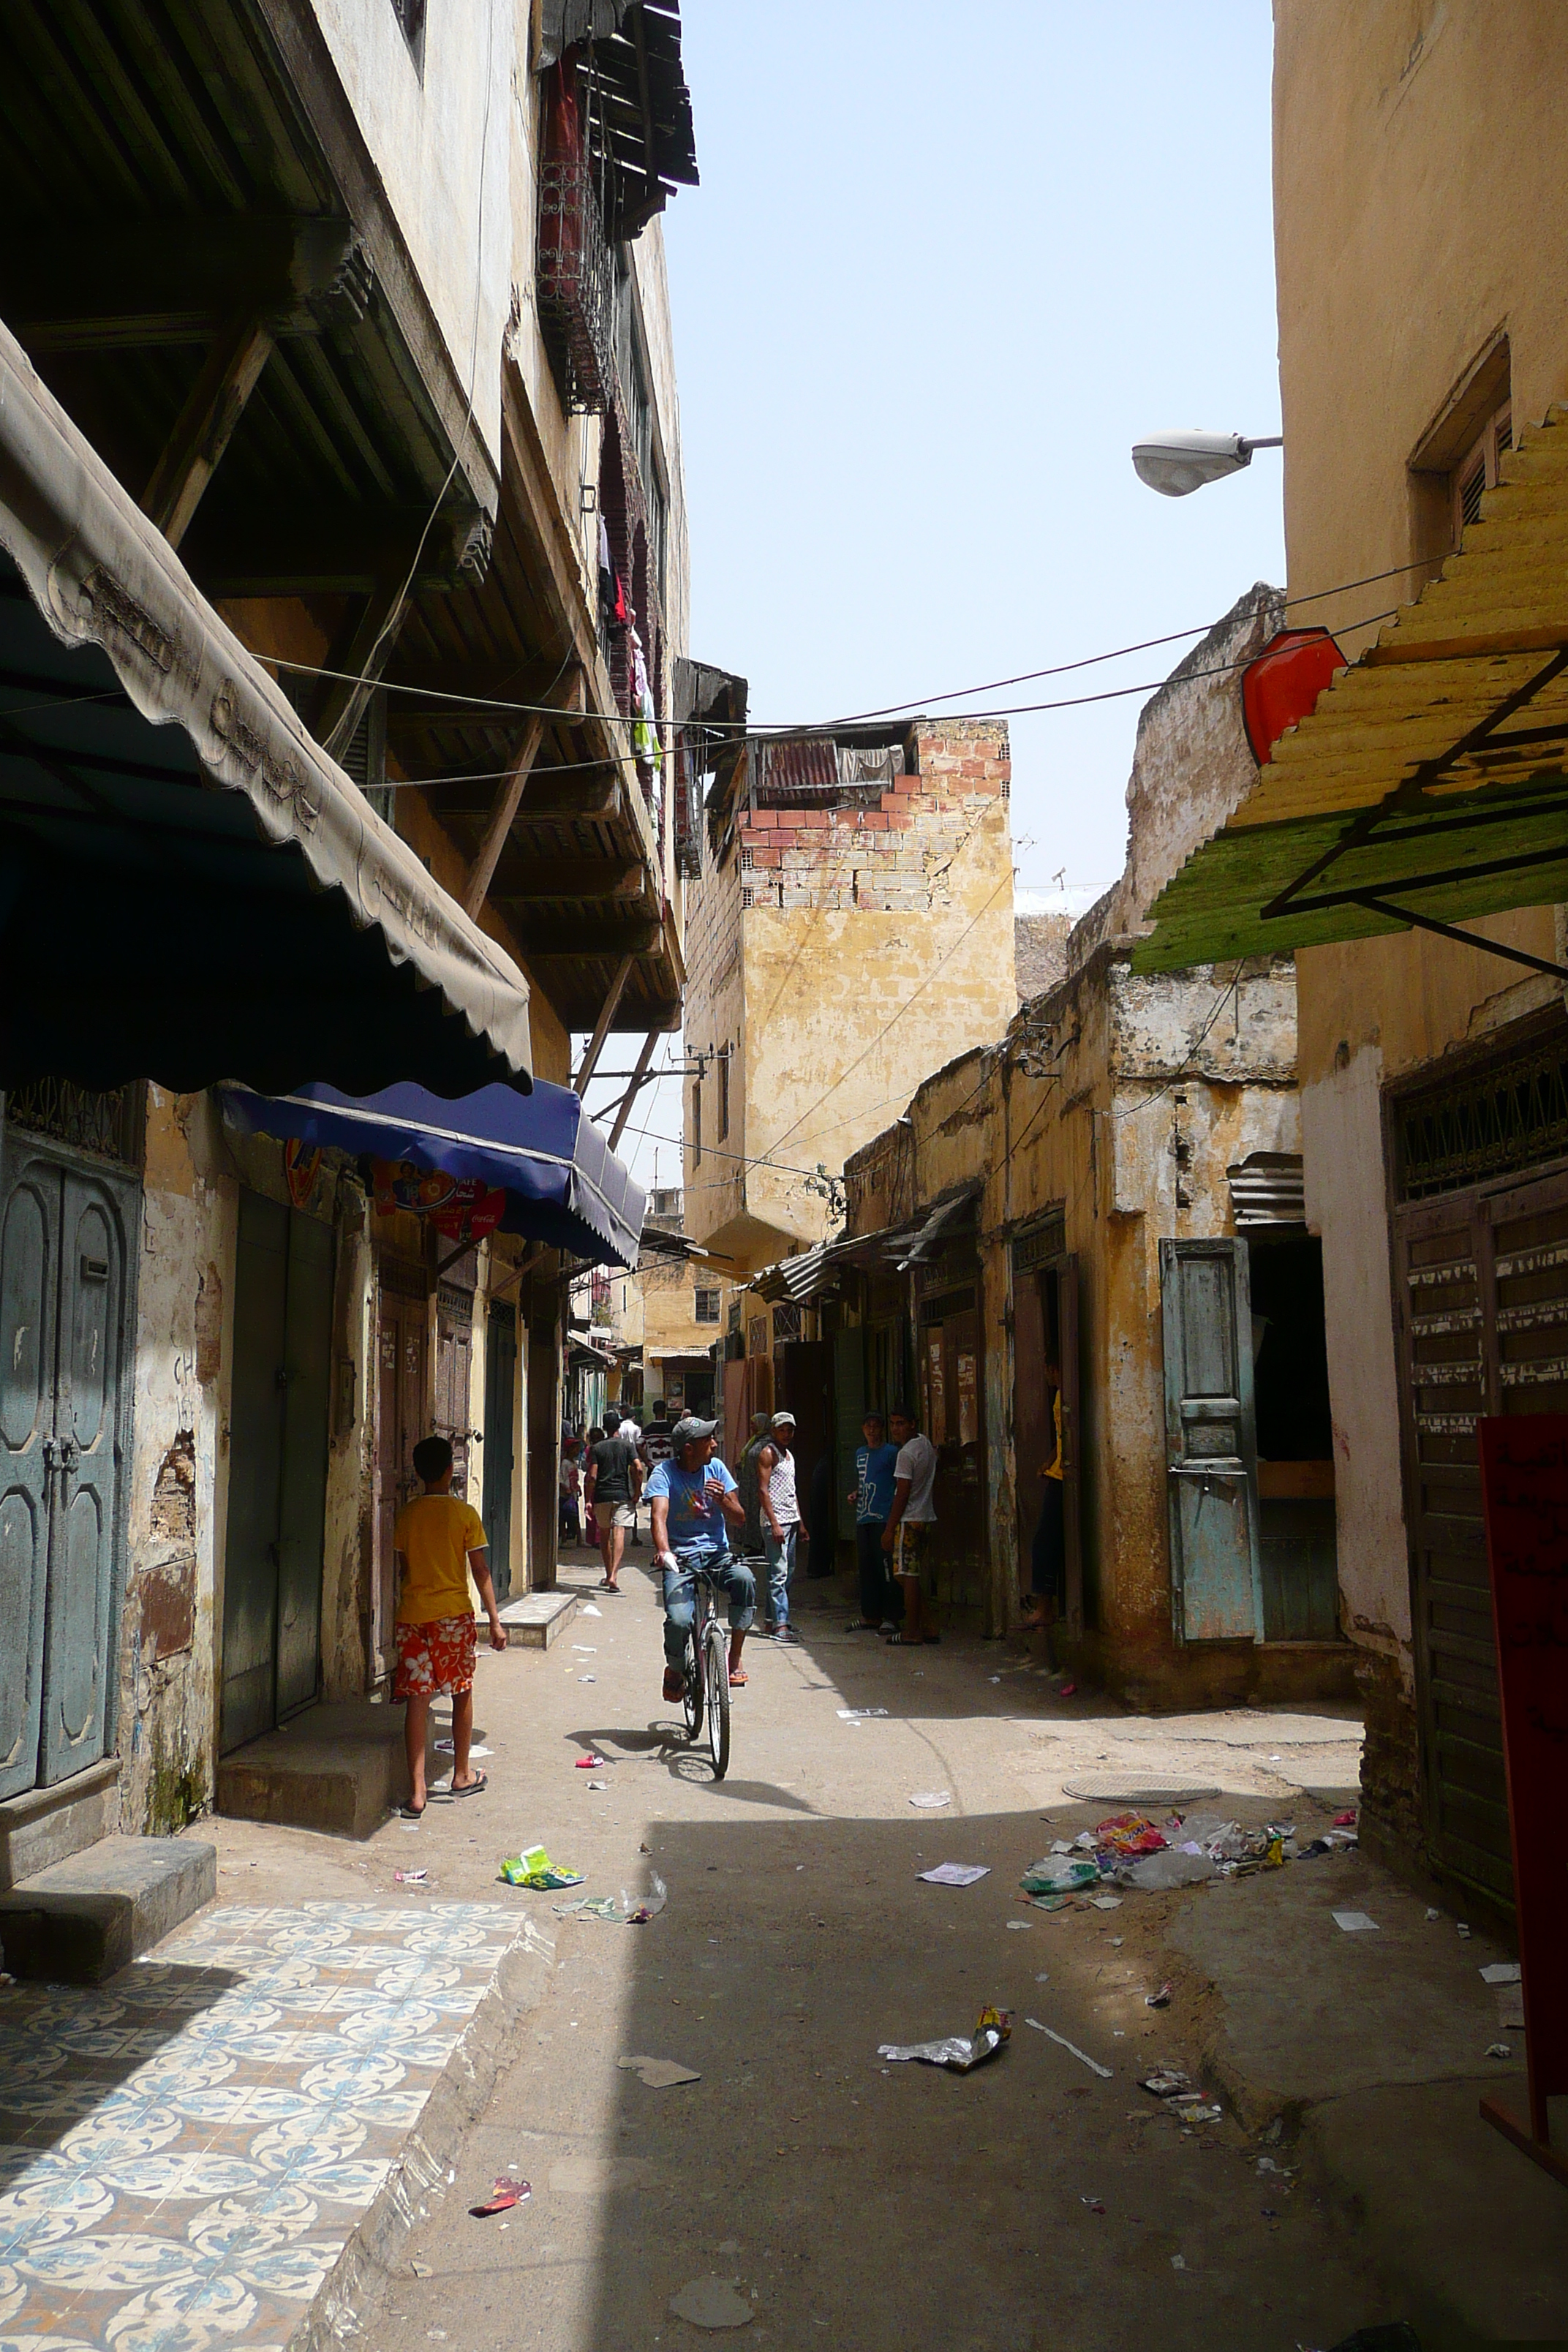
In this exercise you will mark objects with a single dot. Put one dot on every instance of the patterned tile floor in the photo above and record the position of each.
(185, 2151)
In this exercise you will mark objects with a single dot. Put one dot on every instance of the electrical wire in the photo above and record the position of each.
(755, 731)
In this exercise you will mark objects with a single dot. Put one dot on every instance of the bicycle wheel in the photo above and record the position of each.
(692, 1696)
(718, 1699)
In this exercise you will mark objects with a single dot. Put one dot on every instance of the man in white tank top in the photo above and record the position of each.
(782, 1527)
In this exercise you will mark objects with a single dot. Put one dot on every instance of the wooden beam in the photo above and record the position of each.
(607, 1013)
(525, 878)
(583, 935)
(639, 1079)
(119, 285)
(328, 548)
(502, 811)
(205, 424)
(362, 661)
(1481, 647)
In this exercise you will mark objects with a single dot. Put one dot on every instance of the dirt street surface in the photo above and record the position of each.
(803, 2188)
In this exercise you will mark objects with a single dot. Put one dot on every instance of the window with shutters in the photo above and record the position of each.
(1476, 471)
(706, 1306)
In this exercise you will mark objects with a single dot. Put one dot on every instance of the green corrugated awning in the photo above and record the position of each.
(1429, 786)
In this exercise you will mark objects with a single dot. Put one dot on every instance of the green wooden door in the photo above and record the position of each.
(1210, 1447)
(66, 1283)
(277, 1494)
(78, 1634)
(29, 1260)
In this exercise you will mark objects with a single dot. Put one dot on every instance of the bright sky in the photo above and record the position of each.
(930, 292)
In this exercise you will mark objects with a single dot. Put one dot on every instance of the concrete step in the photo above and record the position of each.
(340, 1769)
(538, 1619)
(81, 1919)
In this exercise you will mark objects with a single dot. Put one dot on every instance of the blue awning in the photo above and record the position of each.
(564, 1184)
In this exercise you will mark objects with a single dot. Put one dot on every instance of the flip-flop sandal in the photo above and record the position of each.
(411, 1813)
(738, 1678)
(474, 1785)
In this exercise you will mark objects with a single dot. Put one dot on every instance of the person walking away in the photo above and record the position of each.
(570, 1480)
(1049, 1556)
(751, 1482)
(881, 1602)
(783, 1526)
(590, 1519)
(692, 1497)
(436, 1541)
(907, 1536)
(631, 1431)
(614, 1483)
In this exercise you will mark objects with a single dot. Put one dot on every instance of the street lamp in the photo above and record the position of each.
(1176, 464)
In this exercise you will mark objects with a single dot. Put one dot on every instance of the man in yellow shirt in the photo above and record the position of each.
(437, 1539)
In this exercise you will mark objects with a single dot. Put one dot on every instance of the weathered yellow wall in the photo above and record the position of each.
(1420, 210)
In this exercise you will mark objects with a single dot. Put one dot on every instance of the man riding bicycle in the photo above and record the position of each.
(691, 1497)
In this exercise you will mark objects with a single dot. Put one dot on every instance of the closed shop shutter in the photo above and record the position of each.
(1481, 1279)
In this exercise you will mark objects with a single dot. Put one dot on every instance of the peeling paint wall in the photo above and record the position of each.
(166, 1732)
(842, 952)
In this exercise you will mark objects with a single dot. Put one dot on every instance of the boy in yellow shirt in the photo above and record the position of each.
(437, 1539)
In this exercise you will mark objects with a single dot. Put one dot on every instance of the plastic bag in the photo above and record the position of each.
(1174, 1868)
(1053, 1875)
(1128, 1833)
(960, 2053)
(534, 1868)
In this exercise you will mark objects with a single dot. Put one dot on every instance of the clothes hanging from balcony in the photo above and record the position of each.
(645, 725)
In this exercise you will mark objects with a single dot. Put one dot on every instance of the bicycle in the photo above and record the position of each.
(706, 1673)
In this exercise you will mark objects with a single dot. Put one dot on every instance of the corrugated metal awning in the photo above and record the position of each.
(1267, 1189)
(1429, 785)
(190, 889)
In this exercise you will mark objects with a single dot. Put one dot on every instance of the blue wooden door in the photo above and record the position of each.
(78, 1634)
(29, 1261)
(1210, 1443)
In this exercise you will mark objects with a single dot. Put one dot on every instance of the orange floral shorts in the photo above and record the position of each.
(438, 1657)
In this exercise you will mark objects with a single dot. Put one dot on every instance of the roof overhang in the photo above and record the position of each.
(1430, 785)
(189, 887)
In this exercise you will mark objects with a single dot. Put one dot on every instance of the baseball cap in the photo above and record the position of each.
(784, 1421)
(689, 1429)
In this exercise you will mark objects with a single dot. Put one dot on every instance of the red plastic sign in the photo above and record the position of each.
(1524, 1492)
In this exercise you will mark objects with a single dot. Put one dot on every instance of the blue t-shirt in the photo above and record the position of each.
(697, 1524)
(874, 1475)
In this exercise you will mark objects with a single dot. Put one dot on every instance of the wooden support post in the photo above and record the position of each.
(205, 425)
(503, 809)
(364, 659)
(639, 1079)
(596, 1044)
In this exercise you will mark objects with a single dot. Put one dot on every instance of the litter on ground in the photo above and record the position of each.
(1355, 1923)
(1499, 1972)
(960, 2053)
(859, 1714)
(589, 1763)
(928, 1798)
(955, 1873)
(505, 2193)
(411, 1877)
(1083, 2055)
(534, 1868)
(660, 2074)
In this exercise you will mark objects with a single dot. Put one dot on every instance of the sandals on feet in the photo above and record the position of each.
(481, 1780)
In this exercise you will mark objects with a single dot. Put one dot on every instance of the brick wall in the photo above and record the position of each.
(893, 855)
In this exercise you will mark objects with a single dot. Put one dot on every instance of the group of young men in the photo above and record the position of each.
(694, 1502)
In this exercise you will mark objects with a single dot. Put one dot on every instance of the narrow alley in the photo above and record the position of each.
(1046, 2199)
